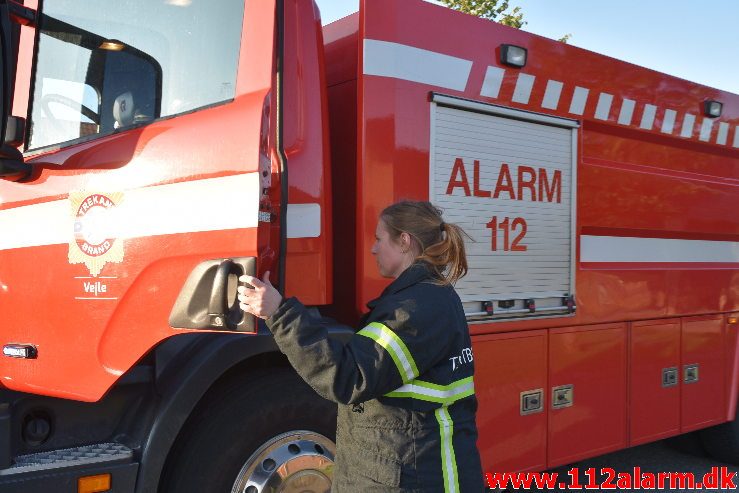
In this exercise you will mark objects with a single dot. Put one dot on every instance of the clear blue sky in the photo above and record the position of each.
(697, 40)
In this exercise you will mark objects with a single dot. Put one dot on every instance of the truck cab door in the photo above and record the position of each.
(150, 139)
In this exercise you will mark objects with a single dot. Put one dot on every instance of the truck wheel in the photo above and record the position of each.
(266, 430)
(722, 441)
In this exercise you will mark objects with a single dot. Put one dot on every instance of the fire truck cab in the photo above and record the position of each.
(154, 151)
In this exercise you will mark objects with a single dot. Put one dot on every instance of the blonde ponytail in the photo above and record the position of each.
(441, 244)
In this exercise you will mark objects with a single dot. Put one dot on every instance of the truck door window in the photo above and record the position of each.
(105, 65)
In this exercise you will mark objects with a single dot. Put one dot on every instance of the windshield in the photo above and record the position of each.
(104, 64)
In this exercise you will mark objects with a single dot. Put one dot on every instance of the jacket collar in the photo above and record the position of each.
(417, 272)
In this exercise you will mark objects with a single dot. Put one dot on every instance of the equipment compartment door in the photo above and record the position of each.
(655, 380)
(510, 382)
(702, 372)
(508, 178)
(587, 392)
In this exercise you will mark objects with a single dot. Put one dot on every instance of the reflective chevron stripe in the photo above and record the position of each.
(431, 392)
(448, 459)
(398, 351)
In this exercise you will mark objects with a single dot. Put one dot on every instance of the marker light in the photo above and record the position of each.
(112, 45)
(512, 55)
(712, 109)
(733, 320)
(94, 484)
(25, 351)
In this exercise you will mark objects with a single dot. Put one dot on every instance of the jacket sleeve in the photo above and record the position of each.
(397, 345)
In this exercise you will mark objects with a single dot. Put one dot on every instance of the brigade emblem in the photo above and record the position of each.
(94, 243)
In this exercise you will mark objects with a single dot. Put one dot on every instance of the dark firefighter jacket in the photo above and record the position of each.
(406, 419)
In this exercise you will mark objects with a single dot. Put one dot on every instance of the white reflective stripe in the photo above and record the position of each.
(579, 98)
(55, 217)
(442, 394)
(706, 129)
(387, 59)
(688, 122)
(493, 80)
(213, 204)
(303, 220)
(552, 94)
(448, 457)
(668, 123)
(723, 133)
(647, 118)
(627, 112)
(389, 341)
(628, 249)
(522, 93)
(604, 106)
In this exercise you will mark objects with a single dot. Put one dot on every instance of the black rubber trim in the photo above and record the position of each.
(284, 188)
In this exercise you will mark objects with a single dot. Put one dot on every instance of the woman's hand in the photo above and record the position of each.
(263, 300)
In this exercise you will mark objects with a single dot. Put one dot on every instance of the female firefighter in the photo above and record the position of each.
(406, 419)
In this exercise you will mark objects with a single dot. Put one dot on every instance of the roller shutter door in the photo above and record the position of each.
(508, 178)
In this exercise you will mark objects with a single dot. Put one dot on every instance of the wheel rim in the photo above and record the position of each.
(294, 462)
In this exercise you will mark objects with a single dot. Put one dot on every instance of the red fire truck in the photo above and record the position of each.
(156, 150)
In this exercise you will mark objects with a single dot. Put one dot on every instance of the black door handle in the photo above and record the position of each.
(223, 308)
(208, 300)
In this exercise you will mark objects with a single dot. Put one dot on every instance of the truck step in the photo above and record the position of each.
(70, 457)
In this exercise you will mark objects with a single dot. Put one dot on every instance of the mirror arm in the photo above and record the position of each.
(8, 66)
(22, 15)
(12, 166)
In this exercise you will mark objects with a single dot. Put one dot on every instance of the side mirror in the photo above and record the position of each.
(6, 81)
(12, 166)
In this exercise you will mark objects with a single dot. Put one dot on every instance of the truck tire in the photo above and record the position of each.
(722, 441)
(265, 430)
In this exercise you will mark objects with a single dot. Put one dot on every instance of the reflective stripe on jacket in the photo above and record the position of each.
(404, 382)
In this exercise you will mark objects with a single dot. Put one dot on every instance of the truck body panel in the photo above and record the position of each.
(654, 233)
(600, 199)
(639, 187)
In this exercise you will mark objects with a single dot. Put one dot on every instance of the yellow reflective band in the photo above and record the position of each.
(398, 351)
(431, 392)
(448, 459)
